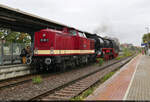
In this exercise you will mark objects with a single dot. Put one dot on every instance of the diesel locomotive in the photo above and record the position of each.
(60, 48)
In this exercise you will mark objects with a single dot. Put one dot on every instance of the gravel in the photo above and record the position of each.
(28, 90)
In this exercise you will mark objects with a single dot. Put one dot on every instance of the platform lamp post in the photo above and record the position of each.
(147, 37)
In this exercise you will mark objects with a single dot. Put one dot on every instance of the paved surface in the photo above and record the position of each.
(140, 87)
(118, 86)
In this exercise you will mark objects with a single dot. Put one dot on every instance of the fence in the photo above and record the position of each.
(10, 52)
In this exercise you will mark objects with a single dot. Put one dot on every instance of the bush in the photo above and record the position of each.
(100, 61)
(128, 52)
(119, 57)
(37, 80)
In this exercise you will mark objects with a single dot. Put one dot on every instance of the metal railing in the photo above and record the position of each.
(10, 52)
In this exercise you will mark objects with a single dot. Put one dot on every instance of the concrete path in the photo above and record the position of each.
(140, 87)
(120, 87)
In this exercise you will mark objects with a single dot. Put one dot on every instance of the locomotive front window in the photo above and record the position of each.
(81, 34)
(84, 35)
(72, 32)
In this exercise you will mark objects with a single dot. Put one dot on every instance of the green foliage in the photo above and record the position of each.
(100, 61)
(84, 94)
(146, 37)
(119, 57)
(126, 53)
(37, 80)
(17, 37)
(1, 34)
(107, 76)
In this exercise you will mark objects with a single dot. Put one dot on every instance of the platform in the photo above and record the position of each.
(132, 82)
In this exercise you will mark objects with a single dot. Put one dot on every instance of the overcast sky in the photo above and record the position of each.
(124, 19)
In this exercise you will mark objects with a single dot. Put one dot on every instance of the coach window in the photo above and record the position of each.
(72, 32)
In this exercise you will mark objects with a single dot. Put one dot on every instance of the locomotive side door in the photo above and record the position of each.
(73, 34)
(82, 41)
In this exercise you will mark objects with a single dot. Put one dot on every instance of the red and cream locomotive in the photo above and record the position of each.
(59, 48)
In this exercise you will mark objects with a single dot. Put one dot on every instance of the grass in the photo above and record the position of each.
(107, 76)
(100, 61)
(37, 80)
(126, 53)
(119, 57)
(90, 90)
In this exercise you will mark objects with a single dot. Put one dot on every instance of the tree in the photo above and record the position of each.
(1, 34)
(16, 37)
(146, 38)
(4, 33)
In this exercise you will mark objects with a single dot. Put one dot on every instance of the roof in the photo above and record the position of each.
(21, 21)
(18, 20)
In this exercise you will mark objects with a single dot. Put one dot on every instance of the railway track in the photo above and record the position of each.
(18, 80)
(22, 79)
(77, 86)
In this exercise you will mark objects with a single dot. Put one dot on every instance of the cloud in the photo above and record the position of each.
(124, 19)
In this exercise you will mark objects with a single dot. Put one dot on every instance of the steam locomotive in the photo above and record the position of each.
(104, 48)
(58, 49)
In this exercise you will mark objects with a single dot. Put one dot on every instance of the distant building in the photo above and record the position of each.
(125, 45)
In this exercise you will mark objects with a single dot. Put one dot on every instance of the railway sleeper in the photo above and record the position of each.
(79, 86)
(58, 97)
(64, 94)
(53, 97)
(72, 89)
(66, 91)
(76, 86)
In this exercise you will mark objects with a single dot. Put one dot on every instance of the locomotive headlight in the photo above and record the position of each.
(44, 40)
(44, 35)
(41, 40)
(52, 50)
